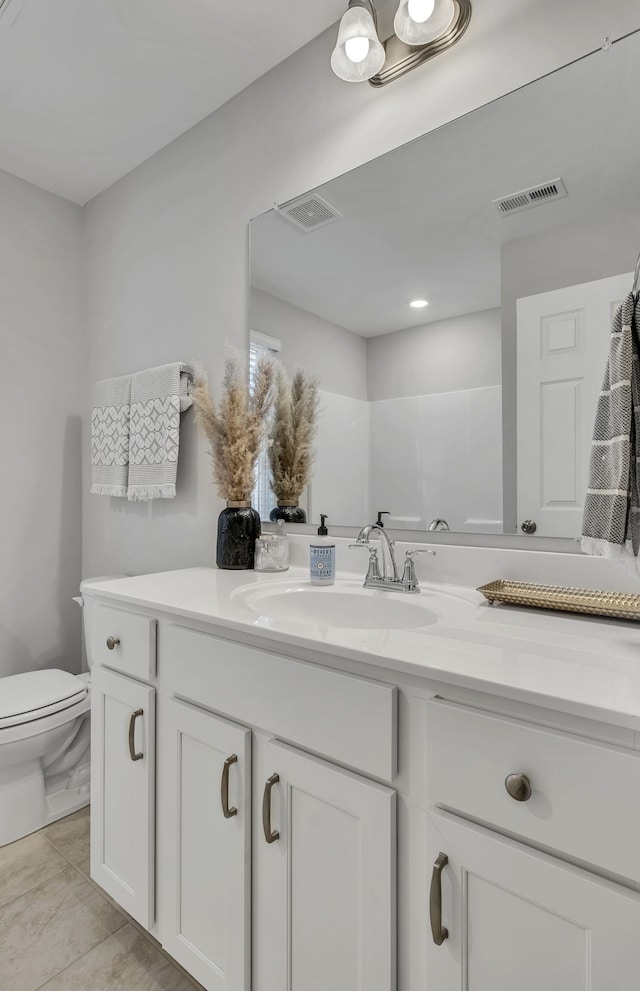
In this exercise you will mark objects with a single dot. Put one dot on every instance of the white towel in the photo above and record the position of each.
(110, 436)
(158, 396)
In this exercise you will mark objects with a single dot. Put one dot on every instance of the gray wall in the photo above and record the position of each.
(40, 385)
(336, 355)
(461, 353)
(566, 256)
(166, 247)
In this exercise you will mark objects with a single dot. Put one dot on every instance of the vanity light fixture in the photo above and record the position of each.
(423, 29)
(418, 304)
(358, 54)
(417, 22)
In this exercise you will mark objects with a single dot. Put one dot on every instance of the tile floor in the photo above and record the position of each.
(59, 932)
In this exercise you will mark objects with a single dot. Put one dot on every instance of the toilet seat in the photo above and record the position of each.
(28, 697)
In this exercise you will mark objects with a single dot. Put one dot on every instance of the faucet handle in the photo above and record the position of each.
(409, 576)
(409, 556)
(374, 567)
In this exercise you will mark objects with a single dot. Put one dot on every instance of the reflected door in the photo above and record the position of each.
(563, 340)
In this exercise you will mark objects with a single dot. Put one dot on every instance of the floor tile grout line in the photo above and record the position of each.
(35, 887)
(81, 957)
(126, 920)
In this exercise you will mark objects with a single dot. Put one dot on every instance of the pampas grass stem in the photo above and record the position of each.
(236, 426)
(295, 417)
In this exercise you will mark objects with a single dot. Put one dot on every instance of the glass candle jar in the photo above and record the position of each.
(272, 552)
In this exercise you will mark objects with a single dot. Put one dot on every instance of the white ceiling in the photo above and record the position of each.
(420, 220)
(91, 88)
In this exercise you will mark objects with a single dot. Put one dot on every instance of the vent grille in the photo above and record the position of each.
(309, 213)
(525, 199)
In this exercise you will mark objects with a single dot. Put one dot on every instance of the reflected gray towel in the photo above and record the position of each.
(110, 436)
(158, 396)
(610, 525)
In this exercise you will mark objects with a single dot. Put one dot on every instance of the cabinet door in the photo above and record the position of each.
(123, 791)
(204, 844)
(325, 885)
(517, 918)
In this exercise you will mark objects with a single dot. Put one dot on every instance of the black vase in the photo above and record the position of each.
(238, 527)
(290, 514)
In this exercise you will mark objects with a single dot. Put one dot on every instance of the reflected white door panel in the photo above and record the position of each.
(563, 340)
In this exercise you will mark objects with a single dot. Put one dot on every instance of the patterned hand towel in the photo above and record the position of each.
(110, 436)
(610, 525)
(158, 396)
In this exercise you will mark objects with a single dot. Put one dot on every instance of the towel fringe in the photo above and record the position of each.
(142, 493)
(110, 490)
(621, 554)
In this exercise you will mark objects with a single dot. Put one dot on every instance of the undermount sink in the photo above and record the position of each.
(346, 605)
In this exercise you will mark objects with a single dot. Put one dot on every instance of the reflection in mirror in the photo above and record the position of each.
(478, 409)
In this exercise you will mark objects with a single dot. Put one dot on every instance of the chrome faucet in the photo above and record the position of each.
(438, 524)
(388, 579)
(389, 566)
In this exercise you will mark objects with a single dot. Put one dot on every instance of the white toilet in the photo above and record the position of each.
(44, 749)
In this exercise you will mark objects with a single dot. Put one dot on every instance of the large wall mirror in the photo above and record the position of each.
(478, 409)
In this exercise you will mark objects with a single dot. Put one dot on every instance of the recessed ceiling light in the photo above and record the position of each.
(418, 304)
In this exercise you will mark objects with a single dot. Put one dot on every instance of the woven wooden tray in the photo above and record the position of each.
(621, 605)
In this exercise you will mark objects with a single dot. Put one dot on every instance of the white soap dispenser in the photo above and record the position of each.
(322, 557)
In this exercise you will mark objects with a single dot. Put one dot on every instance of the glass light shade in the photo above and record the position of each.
(352, 60)
(420, 10)
(414, 32)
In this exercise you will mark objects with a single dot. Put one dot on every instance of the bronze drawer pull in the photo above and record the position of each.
(518, 786)
(270, 835)
(438, 931)
(132, 734)
(224, 787)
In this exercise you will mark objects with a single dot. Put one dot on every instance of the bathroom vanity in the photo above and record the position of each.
(285, 803)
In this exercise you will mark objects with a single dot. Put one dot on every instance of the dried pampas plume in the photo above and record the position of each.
(236, 425)
(295, 419)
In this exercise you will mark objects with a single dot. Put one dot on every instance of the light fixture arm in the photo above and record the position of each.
(401, 58)
(368, 5)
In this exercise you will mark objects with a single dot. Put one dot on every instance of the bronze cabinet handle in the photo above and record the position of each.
(112, 642)
(132, 734)
(224, 787)
(270, 835)
(518, 786)
(438, 931)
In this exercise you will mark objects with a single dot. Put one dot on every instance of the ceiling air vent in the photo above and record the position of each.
(555, 189)
(309, 213)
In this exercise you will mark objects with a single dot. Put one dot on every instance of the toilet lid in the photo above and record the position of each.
(35, 694)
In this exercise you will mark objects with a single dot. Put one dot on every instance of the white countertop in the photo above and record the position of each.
(581, 665)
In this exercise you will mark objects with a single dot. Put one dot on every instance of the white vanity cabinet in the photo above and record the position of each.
(266, 858)
(204, 836)
(513, 917)
(122, 791)
(322, 870)
(502, 913)
(122, 648)
(313, 898)
(324, 876)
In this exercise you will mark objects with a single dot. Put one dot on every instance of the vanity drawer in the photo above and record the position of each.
(347, 719)
(585, 796)
(123, 641)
